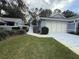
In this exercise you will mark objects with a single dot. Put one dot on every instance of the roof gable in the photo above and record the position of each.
(59, 15)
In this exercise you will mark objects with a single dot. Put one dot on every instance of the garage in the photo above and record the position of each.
(55, 26)
(58, 26)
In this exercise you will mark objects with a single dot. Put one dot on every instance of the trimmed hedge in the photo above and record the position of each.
(75, 33)
(4, 33)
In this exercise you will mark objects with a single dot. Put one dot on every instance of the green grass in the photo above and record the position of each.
(29, 47)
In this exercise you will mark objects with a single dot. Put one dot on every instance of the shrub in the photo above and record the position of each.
(16, 32)
(3, 34)
(71, 32)
(44, 30)
(15, 28)
(26, 29)
(75, 33)
(19, 32)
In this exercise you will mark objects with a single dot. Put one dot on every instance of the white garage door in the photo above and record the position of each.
(57, 26)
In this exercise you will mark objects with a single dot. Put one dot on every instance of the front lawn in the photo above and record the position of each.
(30, 47)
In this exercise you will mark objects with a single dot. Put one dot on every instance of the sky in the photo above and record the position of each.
(74, 6)
(54, 4)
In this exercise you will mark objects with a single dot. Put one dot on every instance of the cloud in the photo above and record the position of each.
(62, 4)
(51, 4)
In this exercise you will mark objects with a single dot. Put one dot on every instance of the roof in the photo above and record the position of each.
(9, 19)
(57, 16)
(60, 17)
(54, 19)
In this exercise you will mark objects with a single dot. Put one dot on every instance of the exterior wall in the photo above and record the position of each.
(77, 26)
(18, 23)
(7, 27)
(55, 26)
(71, 27)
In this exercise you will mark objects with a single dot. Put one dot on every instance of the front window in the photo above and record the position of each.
(10, 23)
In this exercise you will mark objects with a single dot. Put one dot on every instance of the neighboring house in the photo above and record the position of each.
(57, 23)
(11, 23)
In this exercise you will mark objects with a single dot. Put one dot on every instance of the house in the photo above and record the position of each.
(57, 23)
(73, 25)
(11, 23)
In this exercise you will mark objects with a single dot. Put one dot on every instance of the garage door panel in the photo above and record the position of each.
(58, 27)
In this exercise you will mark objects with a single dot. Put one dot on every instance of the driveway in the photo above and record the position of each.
(69, 40)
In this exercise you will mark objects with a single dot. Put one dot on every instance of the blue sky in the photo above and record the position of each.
(55, 4)
(74, 6)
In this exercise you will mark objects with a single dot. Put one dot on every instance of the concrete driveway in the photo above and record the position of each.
(69, 40)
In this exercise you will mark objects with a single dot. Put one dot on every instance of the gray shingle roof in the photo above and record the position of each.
(9, 19)
(60, 17)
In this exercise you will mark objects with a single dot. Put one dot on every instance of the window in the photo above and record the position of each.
(10, 23)
(1, 23)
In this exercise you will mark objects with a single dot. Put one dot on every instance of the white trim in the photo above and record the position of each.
(58, 19)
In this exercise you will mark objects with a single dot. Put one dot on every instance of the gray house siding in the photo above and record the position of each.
(71, 27)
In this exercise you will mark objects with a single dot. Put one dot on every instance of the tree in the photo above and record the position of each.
(69, 13)
(14, 8)
(45, 13)
(2, 3)
(34, 12)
